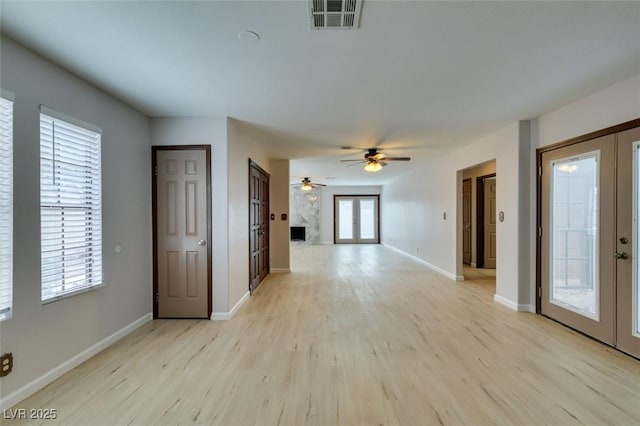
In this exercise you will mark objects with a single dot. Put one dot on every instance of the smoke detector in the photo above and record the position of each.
(335, 14)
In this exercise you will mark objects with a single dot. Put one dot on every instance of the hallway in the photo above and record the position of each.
(356, 334)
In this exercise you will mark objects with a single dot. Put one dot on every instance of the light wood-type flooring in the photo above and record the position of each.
(355, 335)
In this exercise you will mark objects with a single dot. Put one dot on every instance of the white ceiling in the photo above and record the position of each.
(417, 77)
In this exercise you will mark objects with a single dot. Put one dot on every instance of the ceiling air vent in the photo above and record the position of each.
(335, 14)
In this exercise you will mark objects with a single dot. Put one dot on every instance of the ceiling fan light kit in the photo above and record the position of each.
(372, 166)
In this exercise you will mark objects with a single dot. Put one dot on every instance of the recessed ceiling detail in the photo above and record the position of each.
(248, 36)
(335, 14)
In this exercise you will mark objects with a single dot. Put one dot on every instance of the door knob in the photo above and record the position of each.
(622, 255)
(624, 240)
(202, 243)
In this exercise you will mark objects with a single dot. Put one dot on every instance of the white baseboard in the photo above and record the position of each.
(473, 265)
(427, 264)
(506, 302)
(280, 270)
(224, 316)
(513, 305)
(48, 377)
(527, 308)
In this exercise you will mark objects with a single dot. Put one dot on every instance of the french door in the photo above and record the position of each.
(589, 238)
(356, 219)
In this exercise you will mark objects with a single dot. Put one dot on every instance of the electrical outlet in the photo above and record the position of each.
(6, 364)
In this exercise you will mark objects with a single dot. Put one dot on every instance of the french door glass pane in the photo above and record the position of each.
(345, 219)
(574, 234)
(367, 219)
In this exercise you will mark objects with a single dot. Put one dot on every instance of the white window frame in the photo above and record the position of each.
(6, 204)
(70, 206)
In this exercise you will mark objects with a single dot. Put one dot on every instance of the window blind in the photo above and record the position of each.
(6, 208)
(70, 208)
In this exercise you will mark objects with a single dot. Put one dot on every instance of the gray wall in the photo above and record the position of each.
(279, 258)
(42, 337)
(213, 132)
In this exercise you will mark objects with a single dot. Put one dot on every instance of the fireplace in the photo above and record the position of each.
(298, 233)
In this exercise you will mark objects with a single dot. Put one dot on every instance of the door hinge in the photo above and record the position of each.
(157, 297)
(539, 292)
(539, 231)
(540, 171)
(155, 171)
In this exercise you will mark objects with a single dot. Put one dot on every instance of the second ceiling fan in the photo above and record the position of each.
(307, 185)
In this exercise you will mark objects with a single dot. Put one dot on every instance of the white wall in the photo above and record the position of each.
(412, 213)
(616, 104)
(43, 337)
(244, 142)
(326, 206)
(212, 132)
(413, 208)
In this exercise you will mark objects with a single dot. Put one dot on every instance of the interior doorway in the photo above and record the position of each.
(588, 236)
(477, 223)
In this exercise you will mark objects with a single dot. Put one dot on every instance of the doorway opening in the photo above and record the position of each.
(478, 223)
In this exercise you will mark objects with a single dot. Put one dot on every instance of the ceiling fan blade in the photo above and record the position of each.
(397, 159)
(360, 161)
(382, 163)
(354, 164)
(318, 184)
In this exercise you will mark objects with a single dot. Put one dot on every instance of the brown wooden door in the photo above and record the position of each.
(490, 216)
(466, 221)
(182, 224)
(626, 243)
(258, 225)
